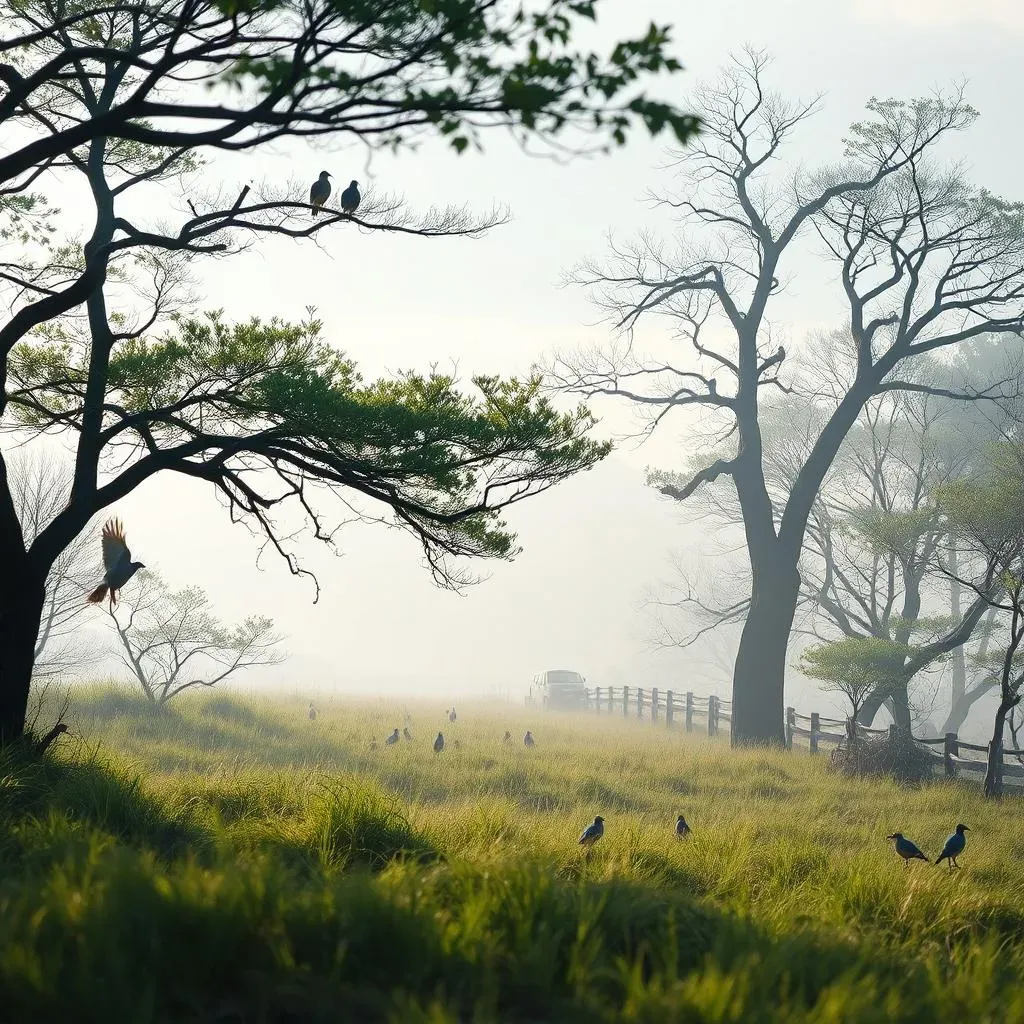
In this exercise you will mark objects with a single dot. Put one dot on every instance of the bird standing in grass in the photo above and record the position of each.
(592, 833)
(312, 712)
(393, 738)
(320, 192)
(118, 567)
(439, 743)
(507, 738)
(407, 734)
(682, 829)
(528, 739)
(905, 848)
(350, 198)
(451, 715)
(955, 845)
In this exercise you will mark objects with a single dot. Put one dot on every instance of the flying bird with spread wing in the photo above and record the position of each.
(118, 567)
(350, 198)
(320, 192)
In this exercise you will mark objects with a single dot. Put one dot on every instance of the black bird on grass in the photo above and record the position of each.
(312, 712)
(393, 738)
(954, 846)
(439, 743)
(905, 848)
(682, 829)
(451, 715)
(528, 739)
(592, 833)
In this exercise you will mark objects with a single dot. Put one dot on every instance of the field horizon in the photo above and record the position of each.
(226, 859)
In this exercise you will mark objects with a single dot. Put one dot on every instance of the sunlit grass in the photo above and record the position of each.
(228, 860)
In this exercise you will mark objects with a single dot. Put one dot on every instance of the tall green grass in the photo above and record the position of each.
(228, 860)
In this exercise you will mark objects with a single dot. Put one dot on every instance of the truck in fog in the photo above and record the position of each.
(559, 690)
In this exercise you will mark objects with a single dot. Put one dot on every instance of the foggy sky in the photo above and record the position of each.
(593, 545)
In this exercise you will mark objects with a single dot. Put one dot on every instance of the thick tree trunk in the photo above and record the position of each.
(994, 771)
(758, 682)
(900, 705)
(21, 610)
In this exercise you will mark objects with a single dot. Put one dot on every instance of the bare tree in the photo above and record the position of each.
(984, 514)
(171, 641)
(925, 262)
(39, 487)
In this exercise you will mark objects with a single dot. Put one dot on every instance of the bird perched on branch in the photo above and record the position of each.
(350, 198)
(592, 833)
(955, 845)
(905, 848)
(528, 739)
(439, 743)
(118, 567)
(312, 712)
(320, 192)
(682, 829)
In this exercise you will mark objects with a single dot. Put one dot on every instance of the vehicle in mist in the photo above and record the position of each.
(559, 690)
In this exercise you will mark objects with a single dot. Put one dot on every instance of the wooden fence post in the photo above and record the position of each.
(815, 729)
(639, 702)
(950, 749)
(625, 701)
(790, 726)
(597, 699)
(669, 697)
(654, 704)
(689, 711)
(711, 715)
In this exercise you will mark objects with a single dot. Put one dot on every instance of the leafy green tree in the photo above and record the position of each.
(104, 342)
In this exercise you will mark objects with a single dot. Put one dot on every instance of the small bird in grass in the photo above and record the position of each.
(312, 712)
(955, 845)
(118, 567)
(439, 743)
(592, 833)
(905, 848)
(320, 192)
(682, 829)
(507, 738)
(393, 738)
(528, 739)
(350, 198)
(451, 715)
(407, 734)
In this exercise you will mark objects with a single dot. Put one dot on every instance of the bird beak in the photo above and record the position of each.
(890, 837)
(966, 829)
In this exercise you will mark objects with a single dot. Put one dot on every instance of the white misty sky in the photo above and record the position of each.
(592, 546)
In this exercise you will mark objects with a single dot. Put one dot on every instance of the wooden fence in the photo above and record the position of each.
(691, 712)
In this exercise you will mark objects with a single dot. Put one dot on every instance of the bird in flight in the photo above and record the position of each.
(118, 567)
(320, 192)
(955, 845)
(905, 848)
(350, 198)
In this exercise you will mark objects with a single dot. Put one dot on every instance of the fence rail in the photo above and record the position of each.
(674, 708)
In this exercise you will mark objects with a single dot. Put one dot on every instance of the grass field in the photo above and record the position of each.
(228, 860)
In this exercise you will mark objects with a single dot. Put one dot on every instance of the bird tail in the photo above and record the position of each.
(98, 594)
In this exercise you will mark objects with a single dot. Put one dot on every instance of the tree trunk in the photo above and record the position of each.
(900, 705)
(758, 682)
(994, 771)
(962, 706)
(21, 610)
(956, 614)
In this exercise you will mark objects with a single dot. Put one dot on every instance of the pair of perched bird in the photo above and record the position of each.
(954, 846)
(595, 831)
(320, 192)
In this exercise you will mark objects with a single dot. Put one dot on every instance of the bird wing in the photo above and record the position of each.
(115, 548)
(590, 832)
(911, 848)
